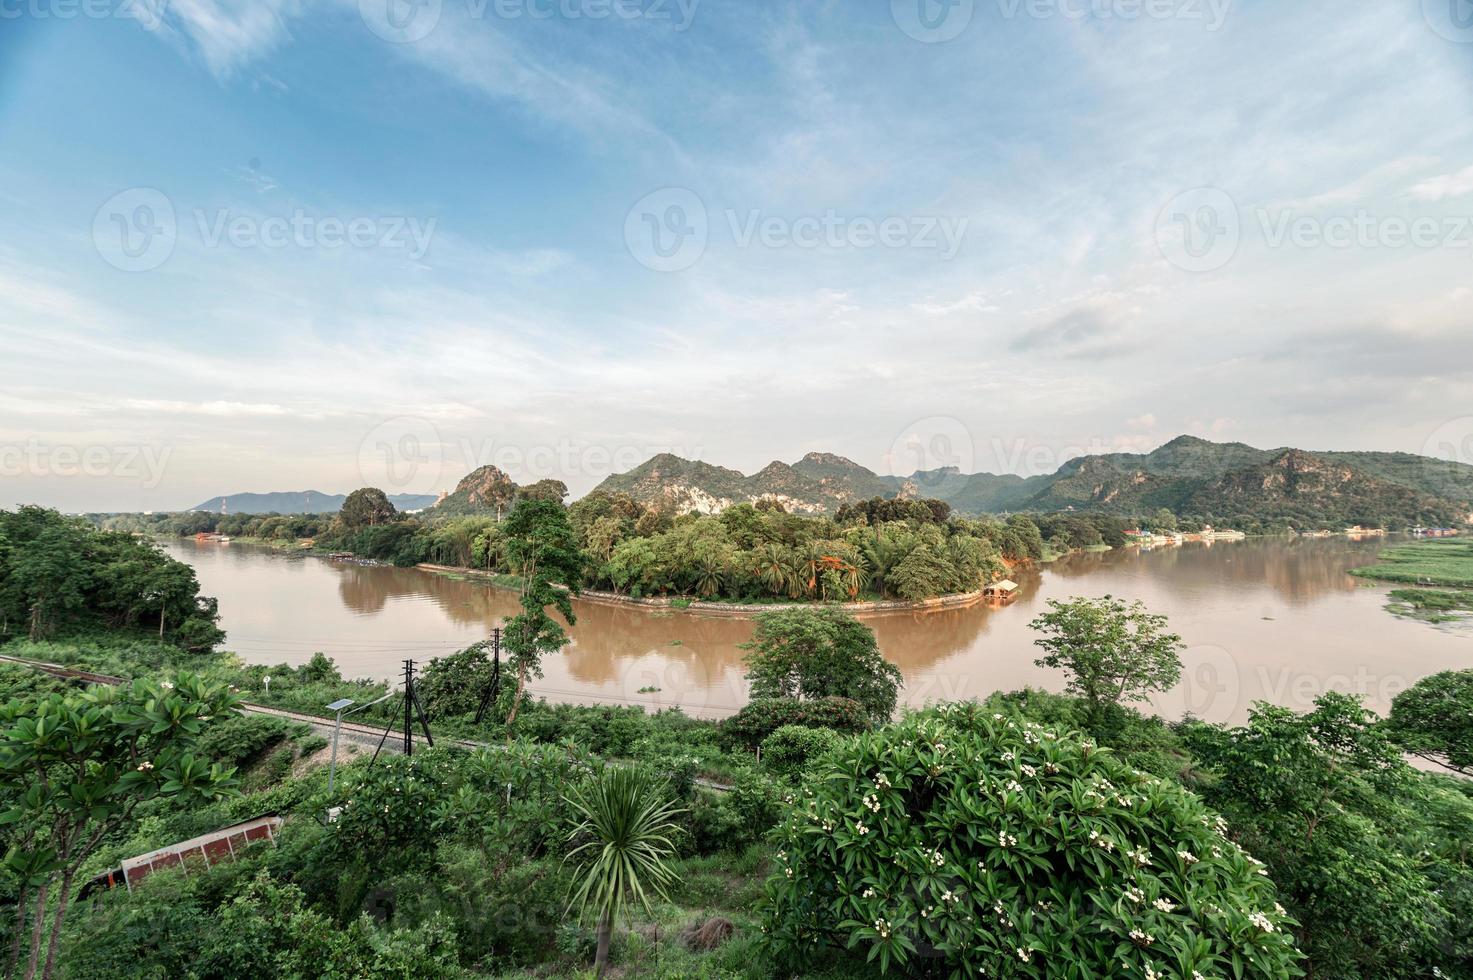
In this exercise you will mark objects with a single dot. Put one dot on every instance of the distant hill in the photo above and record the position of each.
(302, 502)
(817, 484)
(1187, 475)
(486, 490)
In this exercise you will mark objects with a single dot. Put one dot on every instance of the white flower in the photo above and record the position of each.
(1029, 771)
(860, 828)
(937, 859)
(145, 766)
(869, 893)
(1140, 856)
(1135, 894)
(1261, 921)
(1187, 856)
(1025, 955)
(1005, 839)
(1164, 905)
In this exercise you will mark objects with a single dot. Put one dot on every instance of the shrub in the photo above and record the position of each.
(789, 749)
(763, 716)
(734, 820)
(241, 739)
(963, 843)
(454, 685)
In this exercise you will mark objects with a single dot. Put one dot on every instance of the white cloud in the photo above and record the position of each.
(229, 34)
(1443, 187)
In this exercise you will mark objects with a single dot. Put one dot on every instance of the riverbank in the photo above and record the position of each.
(704, 607)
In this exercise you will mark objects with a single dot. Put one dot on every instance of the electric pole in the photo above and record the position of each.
(489, 698)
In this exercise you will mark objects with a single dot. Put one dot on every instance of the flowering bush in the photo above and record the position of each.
(960, 842)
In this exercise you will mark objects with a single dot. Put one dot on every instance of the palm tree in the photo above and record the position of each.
(710, 573)
(797, 568)
(855, 574)
(772, 568)
(628, 831)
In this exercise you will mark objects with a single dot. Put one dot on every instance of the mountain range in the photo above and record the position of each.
(1187, 475)
(302, 502)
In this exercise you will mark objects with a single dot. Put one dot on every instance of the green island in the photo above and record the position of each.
(1441, 569)
(813, 834)
(1447, 562)
(753, 554)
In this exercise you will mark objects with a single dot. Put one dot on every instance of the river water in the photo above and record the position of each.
(1272, 619)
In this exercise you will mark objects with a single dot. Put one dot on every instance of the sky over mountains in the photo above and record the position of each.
(266, 244)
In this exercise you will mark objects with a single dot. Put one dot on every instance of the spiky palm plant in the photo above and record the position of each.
(710, 574)
(627, 832)
(772, 568)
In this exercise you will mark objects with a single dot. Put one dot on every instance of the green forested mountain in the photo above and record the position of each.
(1187, 475)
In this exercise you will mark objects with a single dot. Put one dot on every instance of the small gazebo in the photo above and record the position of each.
(1006, 589)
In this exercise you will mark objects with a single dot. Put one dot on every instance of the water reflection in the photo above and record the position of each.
(1264, 619)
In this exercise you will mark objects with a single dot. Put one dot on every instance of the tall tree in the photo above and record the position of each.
(366, 507)
(1433, 719)
(819, 653)
(543, 549)
(1113, 652)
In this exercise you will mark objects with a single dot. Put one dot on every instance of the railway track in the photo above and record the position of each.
(354, 732)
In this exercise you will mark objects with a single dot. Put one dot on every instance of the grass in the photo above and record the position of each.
(1445, 562)
(1432, 605)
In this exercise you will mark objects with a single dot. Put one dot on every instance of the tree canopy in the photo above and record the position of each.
(810, 654)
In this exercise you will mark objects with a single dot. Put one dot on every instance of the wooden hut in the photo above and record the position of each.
(1005, 590)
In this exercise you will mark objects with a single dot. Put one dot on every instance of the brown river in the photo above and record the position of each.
(1279, 620)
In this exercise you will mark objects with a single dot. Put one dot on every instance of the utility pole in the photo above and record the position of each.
(489, 698)
(408, 707)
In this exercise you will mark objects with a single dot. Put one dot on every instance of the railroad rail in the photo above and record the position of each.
(352, 731)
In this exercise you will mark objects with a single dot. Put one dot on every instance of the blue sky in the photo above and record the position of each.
(735, 231)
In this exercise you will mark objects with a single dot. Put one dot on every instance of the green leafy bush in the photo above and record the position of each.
(763, 716)
(963, 843)
(790, 748)
(454, 685)
(242, 739)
